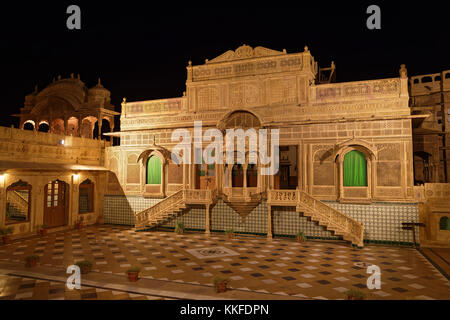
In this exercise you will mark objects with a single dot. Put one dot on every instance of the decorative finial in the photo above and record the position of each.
(284, 51)
(99, 83)
(78, 76)
(189, 63)
(59, 77)
(206, 60)
(184, 93)
(35, 88)
(403, 71)
(124, 100)
(71, 76)
(306, 49)
(333, 66)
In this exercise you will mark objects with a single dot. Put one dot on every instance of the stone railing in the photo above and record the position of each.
(319, 211)
(175, 202)
(198, 196)
(42, 147)
(141, 218)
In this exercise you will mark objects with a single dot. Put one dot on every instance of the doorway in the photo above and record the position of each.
(55, 204)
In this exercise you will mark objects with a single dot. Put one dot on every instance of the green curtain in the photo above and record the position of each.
(444, 223)
(153, 170)
(355, 169)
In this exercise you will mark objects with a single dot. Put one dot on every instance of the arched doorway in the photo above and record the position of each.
(154, 171)
(55, 204)
(356, 173)
(106, 128)
(423, 169)
(237, 176)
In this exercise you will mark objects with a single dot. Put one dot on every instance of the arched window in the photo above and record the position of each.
(86, 197)
(18, 198)
(355, 169)
(153, 170)
(444, 223)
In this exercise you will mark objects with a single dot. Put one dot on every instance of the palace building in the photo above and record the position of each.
(347, 156)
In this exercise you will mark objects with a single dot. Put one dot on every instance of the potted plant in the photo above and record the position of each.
(354, 294)
(220, 284)
(133, 274)
(85, 266)
(79, 223)
(301, 237)
(5, 232)
(179, 227)
(229, 233)
(43, 230)
(31, 261)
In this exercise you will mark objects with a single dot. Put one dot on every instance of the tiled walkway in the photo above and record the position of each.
(316, 269)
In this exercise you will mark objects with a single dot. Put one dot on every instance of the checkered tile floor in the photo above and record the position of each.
(315, 269)
(18, 288)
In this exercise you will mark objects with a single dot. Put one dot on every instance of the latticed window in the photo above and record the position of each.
(355, 169)
(153, 170)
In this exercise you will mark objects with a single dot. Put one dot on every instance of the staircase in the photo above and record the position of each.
(18, 205)
(333, 220)
(173, 206)
(161, 212)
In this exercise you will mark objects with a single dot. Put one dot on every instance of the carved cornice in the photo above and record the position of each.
(245, 52)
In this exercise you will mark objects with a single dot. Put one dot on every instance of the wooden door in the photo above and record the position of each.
(54, 204)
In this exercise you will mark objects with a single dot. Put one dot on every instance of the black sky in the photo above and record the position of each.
(141, 49)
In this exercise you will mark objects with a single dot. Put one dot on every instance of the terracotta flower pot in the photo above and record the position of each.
(43, 232)
(221, 287)
(6, 239)
(354, 298)
(133, 276)
(299, 239)
(31, 263)
(85, 269)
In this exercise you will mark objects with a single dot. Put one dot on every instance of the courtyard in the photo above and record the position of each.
(183, 266)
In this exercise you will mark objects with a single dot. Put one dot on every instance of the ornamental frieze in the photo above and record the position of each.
(364, 89)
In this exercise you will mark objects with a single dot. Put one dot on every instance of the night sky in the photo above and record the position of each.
(140, 50)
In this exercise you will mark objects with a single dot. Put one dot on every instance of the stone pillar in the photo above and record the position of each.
(208, 220)
(99, 134)
(66, 126)
(73, 201)
(2, 198)
(269, 222)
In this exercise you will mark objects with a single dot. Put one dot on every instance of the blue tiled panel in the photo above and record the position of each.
(382, 221)
(121, 209)
(287, 222)
(224, 218)
(195, 218)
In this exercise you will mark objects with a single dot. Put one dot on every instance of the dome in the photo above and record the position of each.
(99, 93)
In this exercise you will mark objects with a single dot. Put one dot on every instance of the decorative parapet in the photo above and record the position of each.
(245, 61)
(42, 147)
(437, 190)
(358, 90)
(149, 107)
